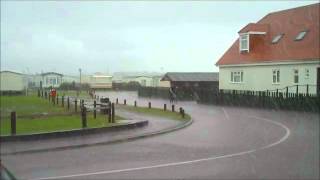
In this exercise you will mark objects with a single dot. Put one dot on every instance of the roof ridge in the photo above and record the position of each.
(281, 11)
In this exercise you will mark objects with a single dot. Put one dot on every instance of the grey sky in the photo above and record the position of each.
(107, 36)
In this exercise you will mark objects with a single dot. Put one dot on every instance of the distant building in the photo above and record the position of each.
(281, 50)
(192, 80)
(100, 81)
(145, 79)
(50, 79)
(70, 79)
(12, 82)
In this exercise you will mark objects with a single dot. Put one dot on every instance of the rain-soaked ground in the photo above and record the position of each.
(223, 142)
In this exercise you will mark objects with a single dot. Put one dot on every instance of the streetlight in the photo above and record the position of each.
(80, 80)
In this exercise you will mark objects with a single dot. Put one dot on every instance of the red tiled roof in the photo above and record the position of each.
(255, 27)
(290, 22)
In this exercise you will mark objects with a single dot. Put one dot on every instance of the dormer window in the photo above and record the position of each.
(301, 35)
(277, 38)
(244, 43)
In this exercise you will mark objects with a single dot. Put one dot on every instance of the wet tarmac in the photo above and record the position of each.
(222, 143)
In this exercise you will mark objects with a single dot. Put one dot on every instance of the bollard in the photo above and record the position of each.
(62, 101)
(84, 117)
(117, 102)
(172, 107)
(13, 123)
(81, 103)
(109, 112)
(125, 102)
(165, 107)
(68, 103)
(182, 113)
(135, 103)
(112, 112)
(180, 110)
(75, 105)
(149, 105)
(94, 110)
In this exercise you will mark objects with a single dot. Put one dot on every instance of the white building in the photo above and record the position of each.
(100, 81)
(50, 79)
(12, 81)
(279, 51)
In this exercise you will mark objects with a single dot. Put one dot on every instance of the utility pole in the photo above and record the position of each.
(80, 79)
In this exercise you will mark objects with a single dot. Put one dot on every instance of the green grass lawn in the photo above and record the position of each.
(27, 105)
(156, 112)
(56, 123)
(73, 93)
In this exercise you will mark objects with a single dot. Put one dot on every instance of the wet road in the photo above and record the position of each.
(223, 142)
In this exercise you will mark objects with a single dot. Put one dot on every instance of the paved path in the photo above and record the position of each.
(222, 143)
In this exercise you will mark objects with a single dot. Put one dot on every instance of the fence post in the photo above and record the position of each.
(125, 102)
(57, 99)
(149, 105)
(117, 101)
(287, 91)
(172, 107)
(39, 93)
(68, 103)
(182, 113)
(109, 112)
(165, 107)
(277, 93)
(13, 123)
(135, 103)
(307, 89)
(49, 97)
(75, 105)
(112, 112)
(297, 90)
(84, 117)
(94, 110)
(180, 110)
(62, 101)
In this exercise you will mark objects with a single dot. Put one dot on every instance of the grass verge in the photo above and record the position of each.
(58, 123)
(156, 112)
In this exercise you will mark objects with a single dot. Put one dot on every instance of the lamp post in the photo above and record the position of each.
(80, 79)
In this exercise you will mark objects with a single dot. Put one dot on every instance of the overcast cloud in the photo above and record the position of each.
(107, 36)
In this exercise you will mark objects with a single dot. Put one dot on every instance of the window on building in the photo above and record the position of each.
(277, 38)
(244, 42)
(296, 76)
(276, 76)
(301, 35)
(307, 73)
(237, 76)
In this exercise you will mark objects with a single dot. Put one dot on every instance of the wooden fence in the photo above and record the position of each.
(263, 99)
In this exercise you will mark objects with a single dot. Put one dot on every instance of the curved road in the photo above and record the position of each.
(222, 143)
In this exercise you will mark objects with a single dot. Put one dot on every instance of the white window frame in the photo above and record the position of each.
(235, 75)
(295, 74)
(276, 76)
(306, 73)
(244, 37)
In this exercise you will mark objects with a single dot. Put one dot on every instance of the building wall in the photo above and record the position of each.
(101, 82)
(260, 77)
(51, 80)
(12, 81)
